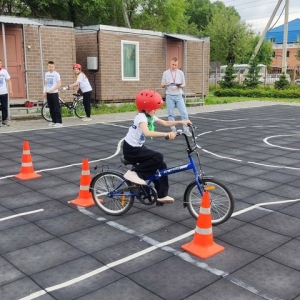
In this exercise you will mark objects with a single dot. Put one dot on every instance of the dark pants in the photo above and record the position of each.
(149, 162)
(54, 107)
(87, 103)
(4, 106)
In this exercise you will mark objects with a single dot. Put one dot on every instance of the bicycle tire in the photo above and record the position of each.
(45, 111)
(221, 199)
(116, 204)
(79, 108)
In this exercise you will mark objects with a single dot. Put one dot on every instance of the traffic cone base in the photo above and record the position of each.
(84, 198)
(27, 171)
(203, 244)
(84, 202)
(27, 176)
(202, 251)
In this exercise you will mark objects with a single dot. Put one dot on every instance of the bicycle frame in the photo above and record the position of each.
(180, 168)
(173, 170)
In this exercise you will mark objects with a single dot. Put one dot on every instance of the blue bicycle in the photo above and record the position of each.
(115, 195)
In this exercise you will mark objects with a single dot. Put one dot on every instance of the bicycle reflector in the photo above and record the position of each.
(209, 188)
(123, 198)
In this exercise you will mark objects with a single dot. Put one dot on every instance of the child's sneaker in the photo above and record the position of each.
(167, 200)
(58, 125)
(133, 177)
(51, 124)
(86, 119)
(5, 123)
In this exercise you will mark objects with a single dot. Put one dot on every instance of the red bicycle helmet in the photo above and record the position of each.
(148, 100)
(77, 66)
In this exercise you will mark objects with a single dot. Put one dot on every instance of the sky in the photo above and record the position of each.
(258, 12)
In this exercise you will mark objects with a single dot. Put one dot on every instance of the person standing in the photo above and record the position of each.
(82, 83)
(51, 86)
(4, 81)
(173, 81)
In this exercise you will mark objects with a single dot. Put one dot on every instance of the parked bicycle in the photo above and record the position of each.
(115, 195)
(71, 107)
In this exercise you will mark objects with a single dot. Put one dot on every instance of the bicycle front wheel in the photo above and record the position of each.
(46, 112)
(110, 192)
(79, 109)
(221, 200)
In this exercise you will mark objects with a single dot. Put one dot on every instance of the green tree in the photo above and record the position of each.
(228, 35)
(282, 83)
(264, 55)
(199, 13)
(228, 79)
(163, 15)
(252, 77)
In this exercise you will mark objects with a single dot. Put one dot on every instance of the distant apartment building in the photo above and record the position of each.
(275, 35)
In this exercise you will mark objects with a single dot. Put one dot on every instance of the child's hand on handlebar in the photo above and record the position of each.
(171, 135)
(187, 123)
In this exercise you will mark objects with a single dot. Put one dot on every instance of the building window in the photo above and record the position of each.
(273, 54)
(130, 60)
(272, 40)
(287, 53)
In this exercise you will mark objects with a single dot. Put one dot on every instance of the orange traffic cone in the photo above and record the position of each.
(84, 198)
(203, 245)
(27, 171)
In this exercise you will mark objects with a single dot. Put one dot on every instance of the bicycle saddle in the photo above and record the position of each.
(127, 162)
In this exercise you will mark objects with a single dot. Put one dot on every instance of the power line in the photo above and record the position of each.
(295, 12)
(254, 5)
(252, 2)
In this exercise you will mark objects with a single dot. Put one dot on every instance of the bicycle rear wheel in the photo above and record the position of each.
(46, 112)
(221, 200)
(79, 108)
(110, 192)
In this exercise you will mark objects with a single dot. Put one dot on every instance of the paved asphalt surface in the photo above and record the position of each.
(50, 249)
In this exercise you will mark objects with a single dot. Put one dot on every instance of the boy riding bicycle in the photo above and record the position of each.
(148, 161)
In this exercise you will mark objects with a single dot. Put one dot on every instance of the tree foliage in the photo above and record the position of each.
(282, 83)
(232, 41)
(228, 35)
(228, 80)
(252, 77)
(163, 15)
(264, 55)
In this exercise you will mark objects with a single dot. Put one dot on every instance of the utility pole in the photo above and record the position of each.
(262, 37)
(285, 37)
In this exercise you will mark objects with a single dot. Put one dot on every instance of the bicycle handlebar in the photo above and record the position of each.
(180, 132)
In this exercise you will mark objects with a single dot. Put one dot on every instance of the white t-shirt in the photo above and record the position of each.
(3, 77)
(174, 77)
(51, 79)
(83, 83)
(135, 136)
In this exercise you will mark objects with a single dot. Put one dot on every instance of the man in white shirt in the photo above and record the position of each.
(4, 81)
(51, 86)
(173, 81)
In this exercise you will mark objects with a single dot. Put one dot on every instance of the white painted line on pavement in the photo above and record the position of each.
(21, 214)
(230, 158)
(157, 245)
(262, 204)
(73, 165)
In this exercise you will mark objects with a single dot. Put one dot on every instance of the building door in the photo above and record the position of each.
(15, 65)
(175, 49)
